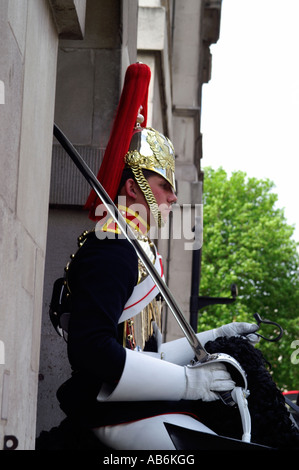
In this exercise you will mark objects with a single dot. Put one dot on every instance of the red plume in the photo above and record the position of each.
(133, 96)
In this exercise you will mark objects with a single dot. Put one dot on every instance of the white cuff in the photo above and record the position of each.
(145, 378)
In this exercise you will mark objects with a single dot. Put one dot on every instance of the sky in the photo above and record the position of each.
(250, 107)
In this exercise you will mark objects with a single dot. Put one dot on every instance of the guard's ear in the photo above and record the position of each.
(130, 188)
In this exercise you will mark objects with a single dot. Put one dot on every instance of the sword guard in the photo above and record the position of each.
(235, 369)
(237, 396)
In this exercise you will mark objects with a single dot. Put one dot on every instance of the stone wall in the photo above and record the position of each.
(29, 75)
(28, 59)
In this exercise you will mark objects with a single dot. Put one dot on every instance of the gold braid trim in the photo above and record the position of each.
(138, 330)
(148, 194)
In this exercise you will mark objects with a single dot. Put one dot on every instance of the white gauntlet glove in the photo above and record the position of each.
(231, 329)
(145, 378)
(204, 380)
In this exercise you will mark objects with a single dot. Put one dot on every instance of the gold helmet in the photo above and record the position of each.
(151, 150)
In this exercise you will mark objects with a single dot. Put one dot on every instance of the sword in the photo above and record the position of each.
(202, 356)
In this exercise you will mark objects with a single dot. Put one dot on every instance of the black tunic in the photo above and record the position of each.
(101, 278)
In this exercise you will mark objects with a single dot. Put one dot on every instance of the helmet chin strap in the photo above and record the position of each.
(148, 194)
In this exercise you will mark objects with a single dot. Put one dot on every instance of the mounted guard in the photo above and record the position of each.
(127, 386)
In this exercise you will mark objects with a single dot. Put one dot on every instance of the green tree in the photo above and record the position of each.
(247, 241)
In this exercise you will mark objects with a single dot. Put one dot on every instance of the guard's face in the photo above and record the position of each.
(164, 194)
(162, 191)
